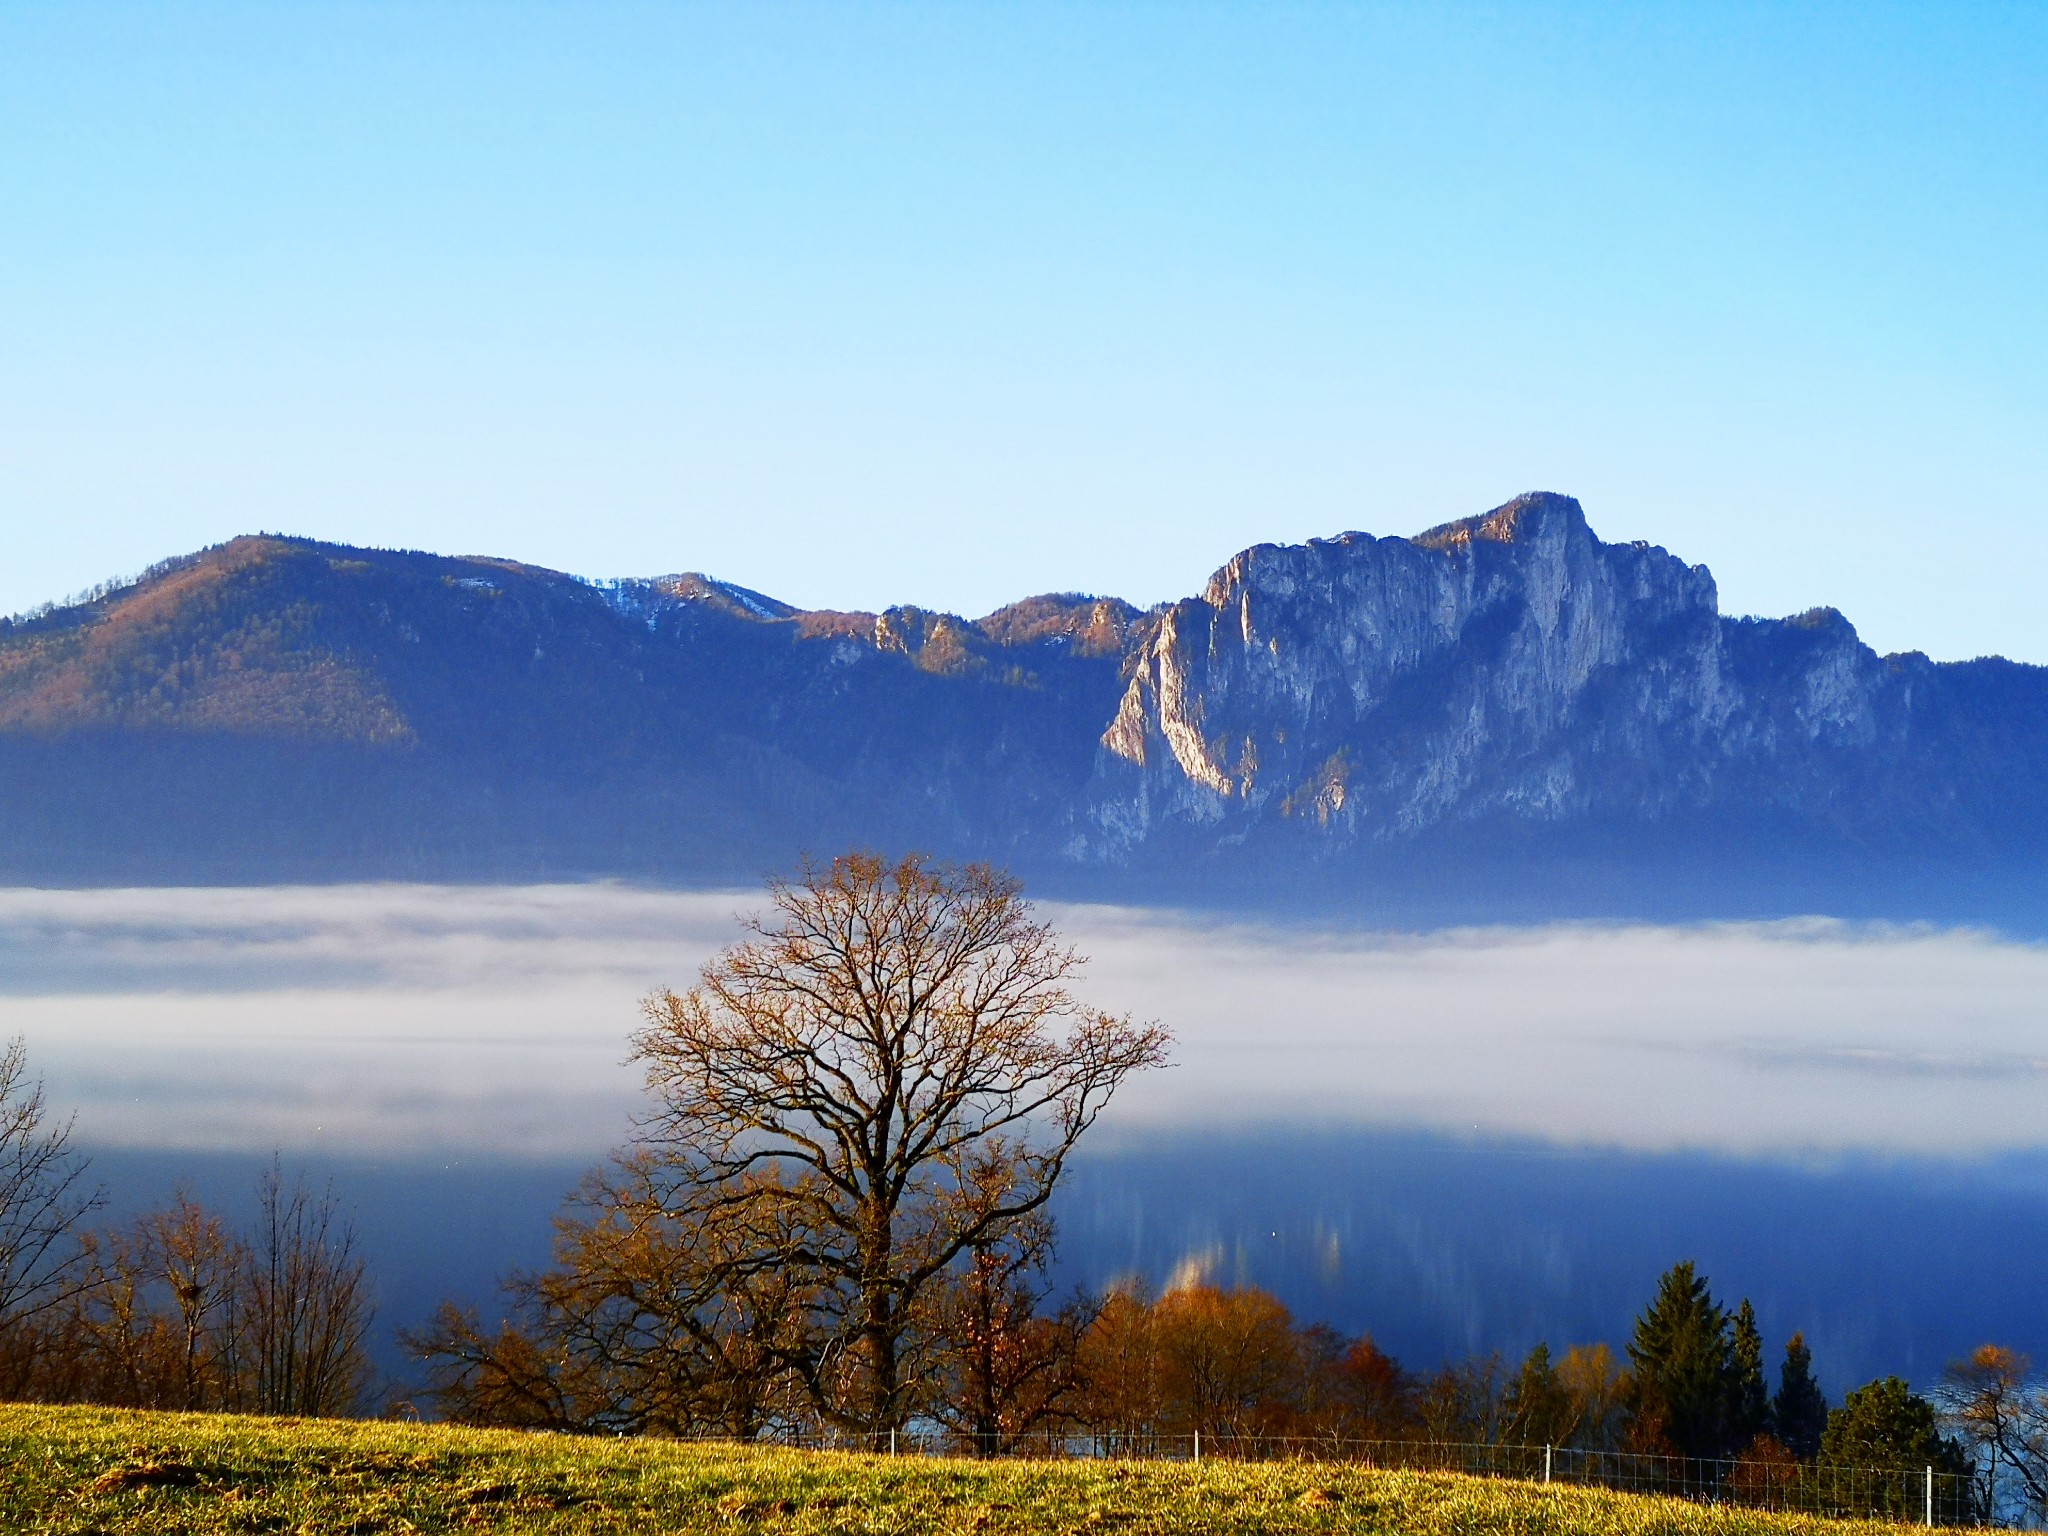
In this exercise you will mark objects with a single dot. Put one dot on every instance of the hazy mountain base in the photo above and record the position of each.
(1504, 719)
(106, 1471)
(104, 809)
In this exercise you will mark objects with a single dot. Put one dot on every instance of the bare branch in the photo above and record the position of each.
(903, 1034)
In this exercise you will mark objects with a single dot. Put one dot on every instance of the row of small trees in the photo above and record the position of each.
(1684, 1408)
(586, 1348)
(175, 1309)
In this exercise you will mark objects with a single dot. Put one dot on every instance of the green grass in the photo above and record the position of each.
(85, 1470)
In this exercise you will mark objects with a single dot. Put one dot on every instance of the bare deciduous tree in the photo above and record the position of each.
(646, 1324)
(307, 1308)
(891, 1072)
(1353, 1389)
(1228, 1365)
(1466, 1401)
(43, 1198)
(1598, 1389)
(1001, 1367)
(177, 1310)
(1123, 1376)
(1231, 1362)
(158, 1319)
(507, 1377)
(2000, 1410)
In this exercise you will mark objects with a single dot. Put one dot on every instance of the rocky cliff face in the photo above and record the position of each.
(1378, 687)
(1512, 671)
(1495, 697)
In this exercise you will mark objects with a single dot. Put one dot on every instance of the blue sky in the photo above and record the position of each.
(949, 304)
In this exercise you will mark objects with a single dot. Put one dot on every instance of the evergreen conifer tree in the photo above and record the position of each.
(1684, 1365)
(1750, 1403)
(1799, 1413)
(1886, 1426)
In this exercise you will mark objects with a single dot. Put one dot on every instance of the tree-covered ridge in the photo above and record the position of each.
(225, 639)
(233, 641)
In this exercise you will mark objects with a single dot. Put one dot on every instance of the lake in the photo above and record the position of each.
(1462, 1140)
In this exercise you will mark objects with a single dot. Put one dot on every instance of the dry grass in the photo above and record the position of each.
(102, 1471)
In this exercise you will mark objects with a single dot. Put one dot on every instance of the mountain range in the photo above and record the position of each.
(1501, 718)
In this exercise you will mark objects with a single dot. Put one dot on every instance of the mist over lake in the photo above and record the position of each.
(496, 1019)
(1465, 1139)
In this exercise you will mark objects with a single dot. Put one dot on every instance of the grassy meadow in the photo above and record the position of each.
(104, 1471)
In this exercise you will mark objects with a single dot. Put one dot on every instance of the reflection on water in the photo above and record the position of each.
(1441, 1246)
(1437, 1245)
(1496, 1136)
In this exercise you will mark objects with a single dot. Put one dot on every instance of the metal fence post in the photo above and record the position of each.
(1198, 1447)
(892, 1442)
(1930, 1495)
(1546, 1463)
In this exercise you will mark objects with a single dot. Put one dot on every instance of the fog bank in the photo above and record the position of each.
(495, 1019)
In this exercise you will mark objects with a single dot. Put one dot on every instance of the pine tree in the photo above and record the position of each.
(1750, 1401)
(1886, 1425)
(1684, 1365)
(1799, 1413)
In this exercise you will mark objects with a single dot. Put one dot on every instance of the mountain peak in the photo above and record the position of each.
(1094, 625)
(1512, 522)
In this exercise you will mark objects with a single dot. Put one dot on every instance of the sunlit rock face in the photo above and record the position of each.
(1512, 670)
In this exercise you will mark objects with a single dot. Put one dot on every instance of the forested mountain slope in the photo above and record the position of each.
(1500, 717)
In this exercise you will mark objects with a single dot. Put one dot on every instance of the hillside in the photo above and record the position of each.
(1500, 717)
(102, 1470)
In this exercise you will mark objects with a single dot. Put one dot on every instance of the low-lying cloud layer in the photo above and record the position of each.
(495, 1020)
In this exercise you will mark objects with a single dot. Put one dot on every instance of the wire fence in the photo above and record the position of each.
(1922, 1495)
